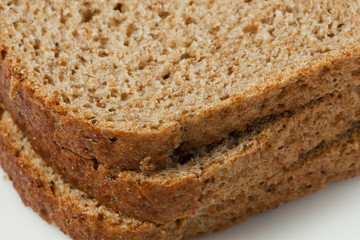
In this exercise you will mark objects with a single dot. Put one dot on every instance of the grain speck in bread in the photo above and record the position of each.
(84, 218)
(211, 173)
(128, 85)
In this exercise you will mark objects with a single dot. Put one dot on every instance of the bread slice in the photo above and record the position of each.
(82, 217)
(129, 82)
(212, 173)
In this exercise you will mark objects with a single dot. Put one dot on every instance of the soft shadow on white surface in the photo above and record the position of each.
(332, 214)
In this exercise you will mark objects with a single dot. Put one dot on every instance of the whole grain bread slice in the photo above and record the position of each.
(212, 173)
(82, 217)
(129, 82)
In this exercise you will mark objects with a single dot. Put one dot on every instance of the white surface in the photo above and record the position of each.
(333, 213)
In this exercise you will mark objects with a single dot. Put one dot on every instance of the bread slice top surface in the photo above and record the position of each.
(144, 66)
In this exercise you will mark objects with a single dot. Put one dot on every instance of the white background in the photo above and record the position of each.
(332, 213)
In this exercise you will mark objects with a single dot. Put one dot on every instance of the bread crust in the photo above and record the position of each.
(70, 218)
(172, 194)
(151, 149)
(331, 161)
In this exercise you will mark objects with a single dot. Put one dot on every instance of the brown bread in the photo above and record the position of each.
(82, 217)
(127, 83)
(212, 173)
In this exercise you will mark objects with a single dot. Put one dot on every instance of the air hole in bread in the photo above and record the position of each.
(48, 79)
(166, 76)
(164, 14)
(82, 59)
(124, 96)
(250, 29)
(185, 158)
(185, 56)
(130, 29)
(37, 44)
(113, 93)
(189, 20)
(103, 53)
(52, 187)
(3, 54)
(210, 180)
(65, 98)
(224, 97)
(75, 34)
(271, 188)
(87, 14)
(119, 7)
(114, 139)
(214, 30)
(75, 96)
(340, 26)
(17, 154)
(101, 104)
(181, 156)
(95, 164)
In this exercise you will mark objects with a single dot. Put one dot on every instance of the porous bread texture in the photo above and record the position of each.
(127, 82)
(211, 173)
(82, 217)
(58, 202)
(329, 162)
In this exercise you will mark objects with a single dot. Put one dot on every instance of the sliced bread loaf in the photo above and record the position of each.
(82, 217)
(129, 82)
(211, 173)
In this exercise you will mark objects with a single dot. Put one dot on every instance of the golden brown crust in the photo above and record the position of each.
(67, 215)
(329, 162)
(148, 150)
(182, 192)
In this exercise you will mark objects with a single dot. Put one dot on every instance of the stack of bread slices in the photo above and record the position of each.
(174, 119)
